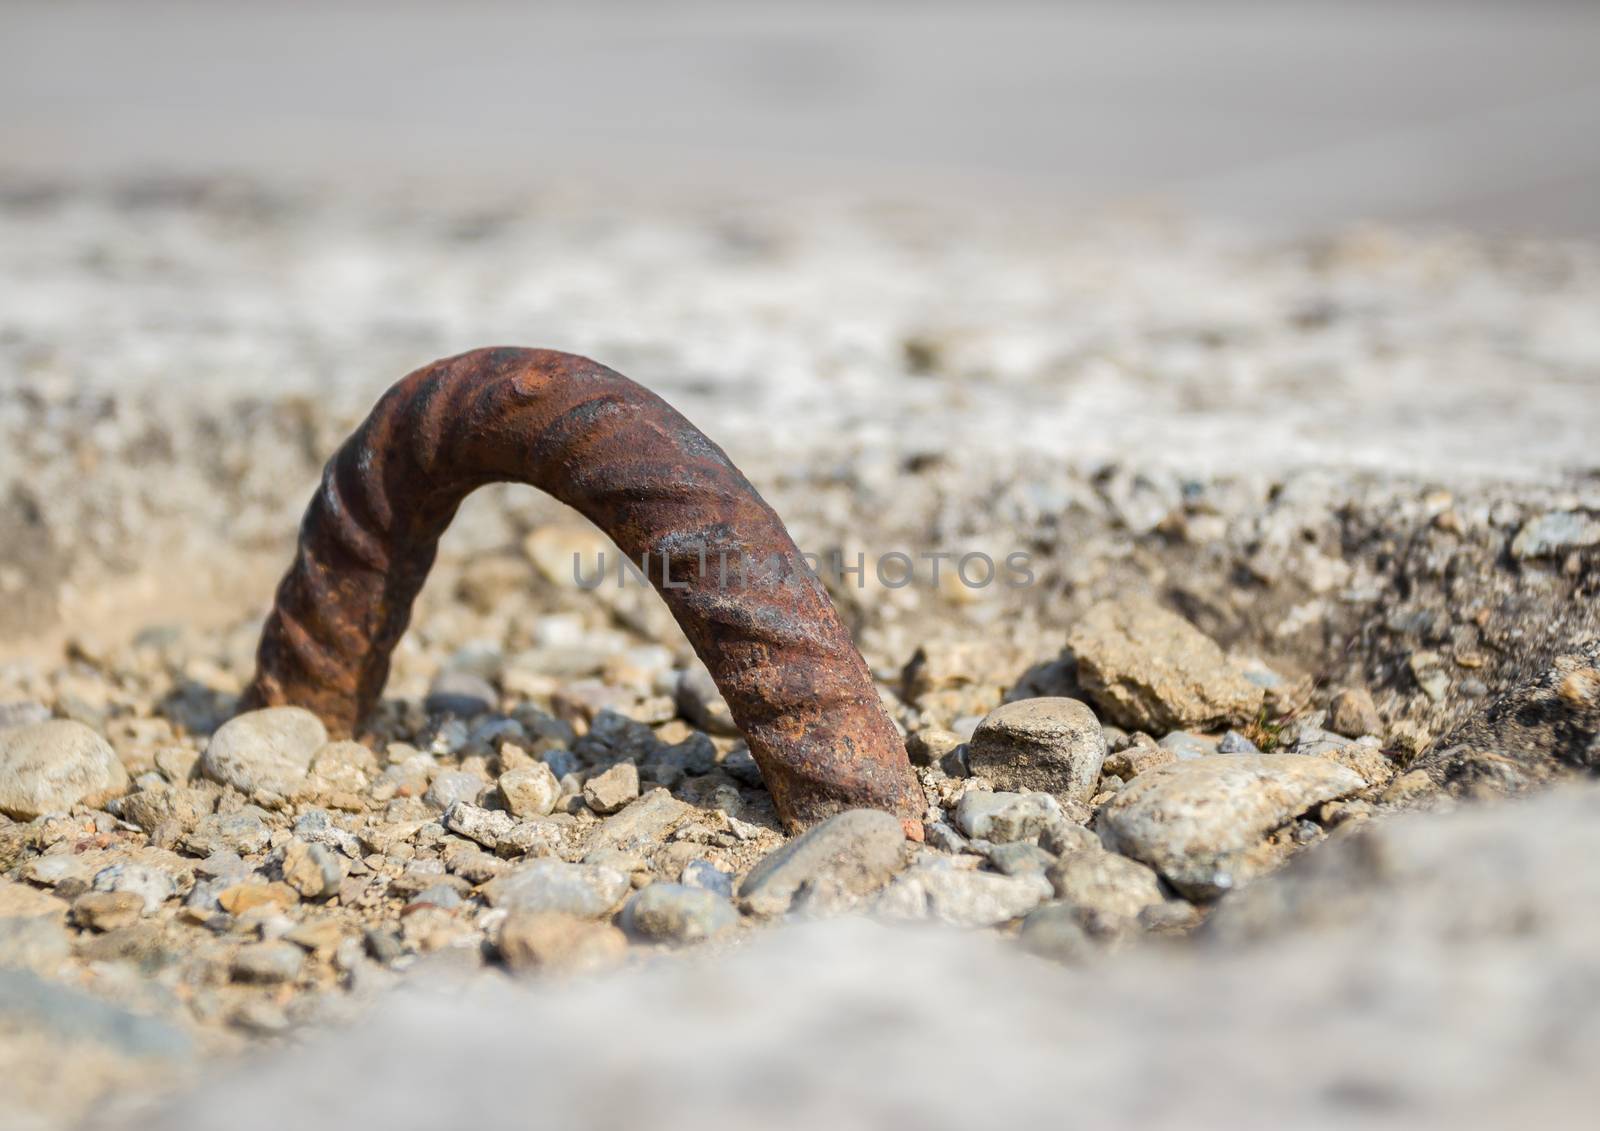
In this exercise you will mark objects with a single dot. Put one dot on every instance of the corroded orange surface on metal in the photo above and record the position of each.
(657, 486)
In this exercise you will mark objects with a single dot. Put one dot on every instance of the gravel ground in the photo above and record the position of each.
(1313, 526)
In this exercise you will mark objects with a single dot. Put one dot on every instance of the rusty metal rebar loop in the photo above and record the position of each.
(794, 681)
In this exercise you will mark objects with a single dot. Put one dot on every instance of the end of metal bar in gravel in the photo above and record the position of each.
(631, 464)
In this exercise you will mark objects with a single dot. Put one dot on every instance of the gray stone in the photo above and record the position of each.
(153, 886)
(51, 766)
(268, 750)
(460, 693)
(1186, 747)
(642, 826)
(1556, 533)
(1054, 931)
(607, 792)
(1019, 859)
(530, 791)
(244, 832)
(52, 1011)
(1107, 891)
(1235, 743)
(677, 914)
(705, 874)
(960, 898)
(588, 891)
(312, 869)
(829, 867)
(486, 826)
(267, 963)
(1006, 817)
(1149, 669)
(454, 785)
(1051, 744)
(1197, 822)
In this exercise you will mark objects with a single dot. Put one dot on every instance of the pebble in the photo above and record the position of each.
(268, 750)
(678, 914)
(152, 886)
(1556, 533)
(49, 767)
(833, 865)
(1353, 714)
(642, 825)
(609, 791)
(589, 891)
(705, 874)
(1006, 817)
(1106, 890)
(267, 963)
(244, 833)
(530, 791)
(1197, 822)
(312, 870)
(107, 910)
(1235, 743)
(549, 940)
(1050, 744)
(1184, 747)
(960, 898)
(1054, 932)
(1149, 669)
(1019, 859)
(452, 786)
(460, 693)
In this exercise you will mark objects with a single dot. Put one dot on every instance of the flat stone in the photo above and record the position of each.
(705, 874)
(1149, 669)
(1020, 859)
(21, 901)
(831, 866)
(107, 910)
(460, 693)
(243, 833)
(677, 914)
(643, 825)
(270, 750)
(49, 767)
(1556, 533)
(588, 891)
(1050, 744)
(1197, 822)
(1006, 817)
(549, 940)
(609, 791)
(960, 898)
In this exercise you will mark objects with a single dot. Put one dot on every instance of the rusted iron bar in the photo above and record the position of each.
(630, 463)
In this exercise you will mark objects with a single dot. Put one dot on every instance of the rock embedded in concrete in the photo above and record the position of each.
(827, 868)
(51, 766)
(269, 750)
(1149, 669)
(1198, 822)
(1052, 744)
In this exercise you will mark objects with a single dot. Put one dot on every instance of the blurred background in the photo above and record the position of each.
(1304, 112)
